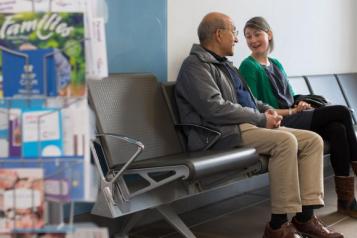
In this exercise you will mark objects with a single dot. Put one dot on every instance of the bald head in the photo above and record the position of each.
(209, 24)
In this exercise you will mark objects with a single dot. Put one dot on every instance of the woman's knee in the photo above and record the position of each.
(341, 110)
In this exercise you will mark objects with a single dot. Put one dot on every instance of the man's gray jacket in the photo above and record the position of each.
(206, 96)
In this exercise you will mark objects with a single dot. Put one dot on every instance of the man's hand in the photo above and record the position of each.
(273, 119)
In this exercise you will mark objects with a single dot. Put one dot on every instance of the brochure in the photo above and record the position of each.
(15, 132)
(22, 196)
(42, 5)
(11, 126)
(97, 62)
(65, 180)
(42, 133)
(4, 130)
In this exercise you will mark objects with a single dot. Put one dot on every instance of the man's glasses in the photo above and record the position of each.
(234, 32)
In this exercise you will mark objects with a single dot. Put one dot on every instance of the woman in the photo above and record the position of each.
(268, 81)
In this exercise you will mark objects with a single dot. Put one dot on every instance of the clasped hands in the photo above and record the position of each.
(273, 119)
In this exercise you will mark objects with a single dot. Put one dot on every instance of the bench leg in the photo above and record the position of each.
(102, 207)
(170, 216)
(129, 224)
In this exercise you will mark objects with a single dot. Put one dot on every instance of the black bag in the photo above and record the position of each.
(316, 101)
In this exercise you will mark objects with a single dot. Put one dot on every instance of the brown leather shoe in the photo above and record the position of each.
(287, 230)
(315, 229)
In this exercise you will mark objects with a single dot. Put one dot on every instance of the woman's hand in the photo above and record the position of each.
(301, 106)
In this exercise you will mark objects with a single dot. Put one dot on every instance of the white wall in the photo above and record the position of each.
(311, 36)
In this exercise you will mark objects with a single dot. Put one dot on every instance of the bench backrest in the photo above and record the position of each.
(132, 105)
(348, 83)
(168, 89)
(299, 85)
(327, 86)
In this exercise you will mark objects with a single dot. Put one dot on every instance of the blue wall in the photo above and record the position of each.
(136, 35)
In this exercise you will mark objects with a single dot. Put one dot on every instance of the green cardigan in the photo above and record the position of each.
(258, 81)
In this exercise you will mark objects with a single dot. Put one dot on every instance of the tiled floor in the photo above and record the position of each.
(245, 216)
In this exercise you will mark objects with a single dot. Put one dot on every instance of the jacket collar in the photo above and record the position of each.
(206, 56)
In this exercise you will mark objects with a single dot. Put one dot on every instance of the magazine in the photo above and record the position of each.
(21, 199)
(65, 180)
(42, 133)
(43, 5)
(15, 132)
(42, 54)
(11, 132)
(4, 130)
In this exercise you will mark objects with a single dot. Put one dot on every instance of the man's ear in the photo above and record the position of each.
(270, 35)
(218, 35)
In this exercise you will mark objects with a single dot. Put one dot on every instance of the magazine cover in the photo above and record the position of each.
(42, 133)
(65, 180)
(21, 199)
(42, 54)
(15, 132)
(11, 132)
(4, 130)
(43, 5)
(28, 66)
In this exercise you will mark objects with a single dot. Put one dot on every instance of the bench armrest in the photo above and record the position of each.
(216, 134)
(140, 148)
(107, 184)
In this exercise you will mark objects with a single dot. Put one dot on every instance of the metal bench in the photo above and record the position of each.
(140, 153)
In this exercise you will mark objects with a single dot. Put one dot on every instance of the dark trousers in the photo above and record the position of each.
(334, 124)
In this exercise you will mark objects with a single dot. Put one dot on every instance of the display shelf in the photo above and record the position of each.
(44, 114)
(28, 187)
(47, 229)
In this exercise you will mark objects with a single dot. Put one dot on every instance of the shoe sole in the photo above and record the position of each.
(304, 235)
(343, 212)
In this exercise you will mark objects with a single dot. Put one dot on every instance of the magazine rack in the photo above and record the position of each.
(44, 119)
(61, 176)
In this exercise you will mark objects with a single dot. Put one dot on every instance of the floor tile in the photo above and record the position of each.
(244, 223)
(246, 216)
(347, 226)
(203, 215)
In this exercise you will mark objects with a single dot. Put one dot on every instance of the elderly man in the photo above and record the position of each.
(206, 95)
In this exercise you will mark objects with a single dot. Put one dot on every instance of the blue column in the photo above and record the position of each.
(137, 36)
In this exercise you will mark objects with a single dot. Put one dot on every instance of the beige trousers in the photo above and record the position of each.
(295, 165)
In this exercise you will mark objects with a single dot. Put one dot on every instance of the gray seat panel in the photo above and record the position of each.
(205, 163)
(327, 86)
(349, 85)
(299, 85)
(132, 105)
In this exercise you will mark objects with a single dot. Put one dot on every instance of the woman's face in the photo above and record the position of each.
(258, 41)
